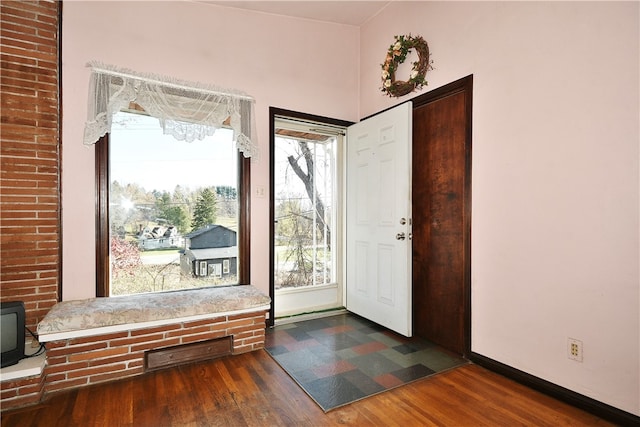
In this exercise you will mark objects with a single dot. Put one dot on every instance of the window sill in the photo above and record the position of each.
(96, 316)
(303, 289)
(28, 367)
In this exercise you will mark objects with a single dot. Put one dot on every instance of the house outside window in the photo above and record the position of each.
(160, 193)
(213, 246)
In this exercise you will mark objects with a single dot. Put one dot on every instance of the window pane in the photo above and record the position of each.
(173, 208)
(304, 211)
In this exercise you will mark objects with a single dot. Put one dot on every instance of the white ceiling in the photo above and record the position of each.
(341, 12)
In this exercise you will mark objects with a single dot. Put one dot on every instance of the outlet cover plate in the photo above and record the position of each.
(574, 349)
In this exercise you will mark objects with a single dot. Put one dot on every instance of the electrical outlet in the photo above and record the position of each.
(574, 349)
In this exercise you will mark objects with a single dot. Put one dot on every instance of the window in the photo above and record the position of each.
(208, 221)
(167, 205)
(306, 233)
(203, 268)
(305, 199)
(215, 269)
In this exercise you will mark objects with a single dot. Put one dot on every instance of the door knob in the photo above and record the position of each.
(400, 236)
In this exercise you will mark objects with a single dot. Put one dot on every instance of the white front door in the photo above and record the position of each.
(378, 268)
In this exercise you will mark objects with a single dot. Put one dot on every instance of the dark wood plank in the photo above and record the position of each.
(252, 390)
(187, 353)
(441, 218)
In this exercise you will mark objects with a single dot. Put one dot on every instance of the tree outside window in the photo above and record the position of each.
(169, 201)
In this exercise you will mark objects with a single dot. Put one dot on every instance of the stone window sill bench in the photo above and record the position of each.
(97, 316)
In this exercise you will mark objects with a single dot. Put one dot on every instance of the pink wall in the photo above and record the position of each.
(555, 180)
(289, 63)
(555, 211)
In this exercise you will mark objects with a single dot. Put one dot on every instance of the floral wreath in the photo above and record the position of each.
(396, 55)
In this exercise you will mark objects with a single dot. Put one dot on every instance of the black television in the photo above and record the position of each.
(12, 328)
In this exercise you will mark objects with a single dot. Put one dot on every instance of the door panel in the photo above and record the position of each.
(441, 220)
(378, 284)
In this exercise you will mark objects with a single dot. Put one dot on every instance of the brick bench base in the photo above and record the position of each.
(22, 391)
(112, 349)
(89, 360)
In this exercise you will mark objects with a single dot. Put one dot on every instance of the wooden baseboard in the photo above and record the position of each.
(578, 400)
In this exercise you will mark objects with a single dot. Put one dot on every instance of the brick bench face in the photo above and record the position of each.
(78, 362)
(22, 392)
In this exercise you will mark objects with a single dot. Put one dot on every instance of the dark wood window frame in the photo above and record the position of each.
(102, 217)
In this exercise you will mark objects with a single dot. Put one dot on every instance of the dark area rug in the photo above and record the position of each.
(343, 358)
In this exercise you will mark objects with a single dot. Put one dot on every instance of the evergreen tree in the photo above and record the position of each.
(226, 192)
(174, 212)
(163, 203)
(177, 216)
(227, 201)
(206, 209)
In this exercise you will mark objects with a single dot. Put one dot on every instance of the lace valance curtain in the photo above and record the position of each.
(187, 111)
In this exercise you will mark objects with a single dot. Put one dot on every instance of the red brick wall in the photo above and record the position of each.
(22, 392)
(29, 155)
(90, 360)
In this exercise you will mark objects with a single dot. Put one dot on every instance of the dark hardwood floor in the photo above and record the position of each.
(252, 390)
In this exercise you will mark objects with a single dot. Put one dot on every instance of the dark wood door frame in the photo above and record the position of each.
(440, 240)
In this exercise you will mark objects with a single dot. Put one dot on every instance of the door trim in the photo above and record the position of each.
(464, 84)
